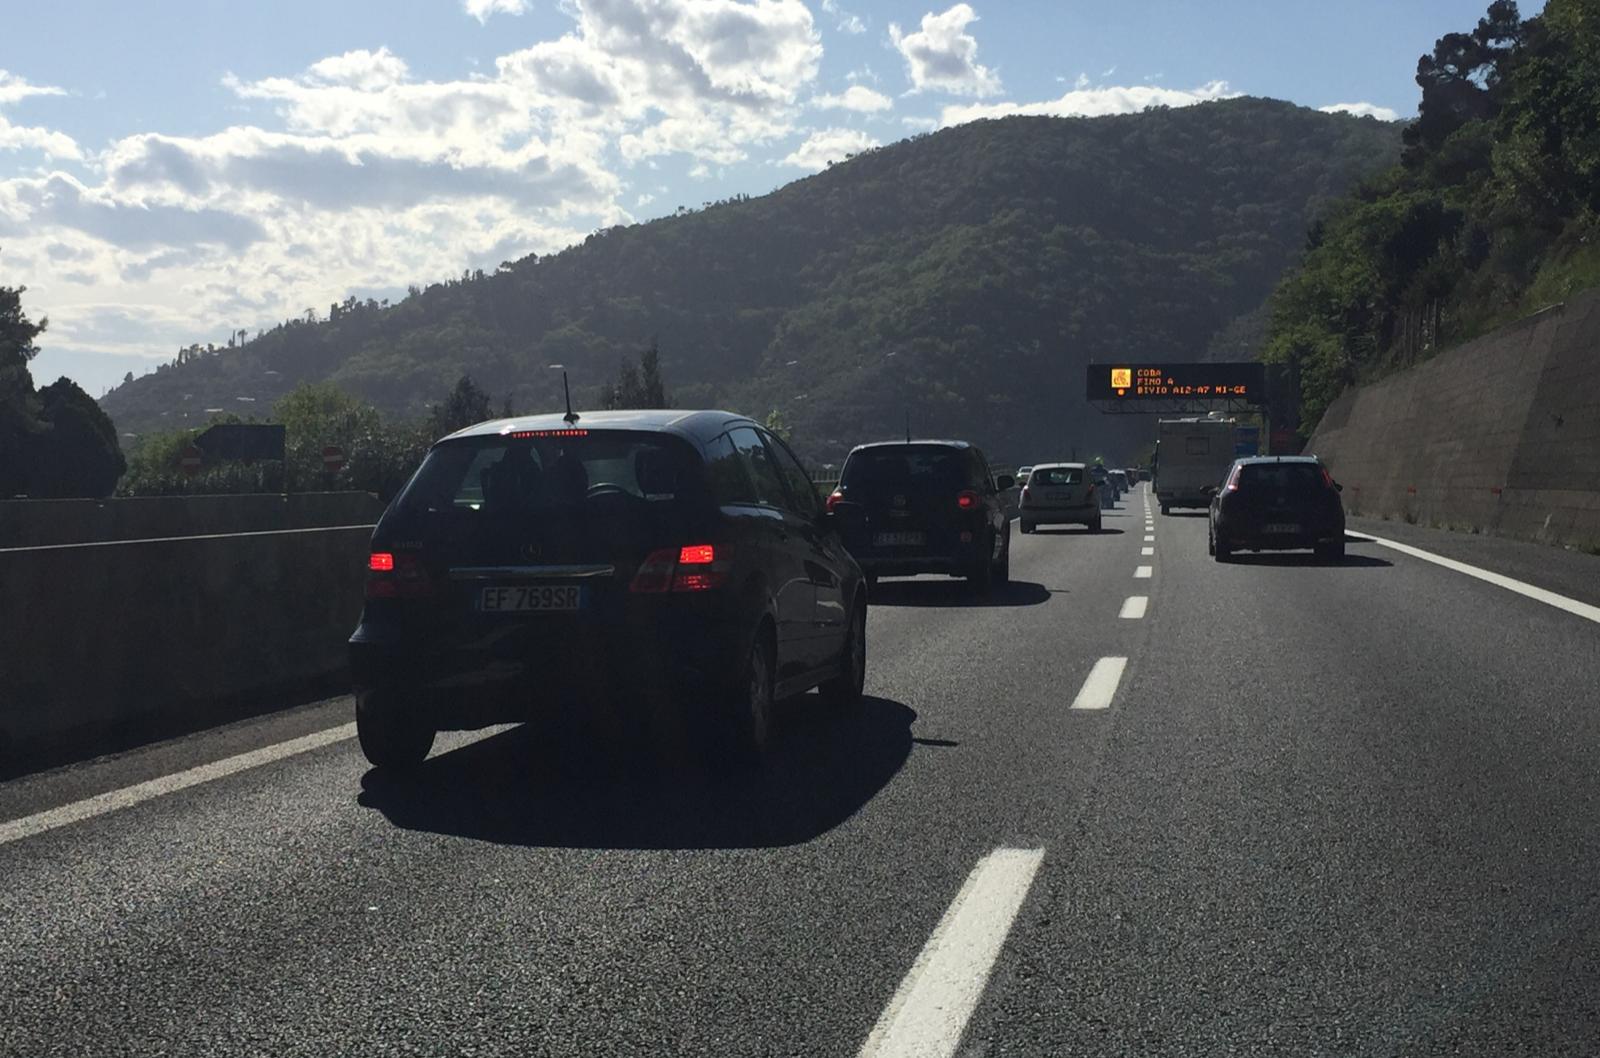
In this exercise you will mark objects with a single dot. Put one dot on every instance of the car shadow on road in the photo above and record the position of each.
(955, 593)
(1072, 530)
(1187, 514)
(536, 785)
(1306, 558)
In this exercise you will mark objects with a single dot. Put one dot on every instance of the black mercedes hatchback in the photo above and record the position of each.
(542, 565)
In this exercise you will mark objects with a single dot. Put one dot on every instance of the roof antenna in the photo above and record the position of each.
(908, 426)
(571, 416)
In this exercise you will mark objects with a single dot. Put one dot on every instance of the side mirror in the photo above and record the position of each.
(1004, 481)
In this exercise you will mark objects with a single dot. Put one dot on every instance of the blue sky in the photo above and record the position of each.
(178, 171)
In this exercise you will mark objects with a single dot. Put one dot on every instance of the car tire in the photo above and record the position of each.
(1095, 526)
(1211, 543)
(1331, 552)
(1221, 552)
(392, 736)
(843, 691)
(1166, 508)
(981, 579)
(1025, 526)
(1002, 573)
(746, 723)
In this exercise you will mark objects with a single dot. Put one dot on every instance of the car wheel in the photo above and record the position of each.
(844, 690)
(1003, 573)
(1220, 551)
(1211, 543)
(1094, 526)
(1166, 509)
(392, 736)
(1331, 552)
(1026, 527)
(981, 579)
(747, 723)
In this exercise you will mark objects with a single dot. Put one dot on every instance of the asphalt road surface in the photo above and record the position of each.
(1293, 808)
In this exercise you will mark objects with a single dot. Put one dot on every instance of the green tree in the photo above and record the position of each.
(637, 386)
(465, 405)
(20, 418)
(778, 424)
(77, 455)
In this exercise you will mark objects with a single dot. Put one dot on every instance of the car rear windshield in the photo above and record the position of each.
(1057, 476)
(909, 468)
(553, 472)
(1297, 477)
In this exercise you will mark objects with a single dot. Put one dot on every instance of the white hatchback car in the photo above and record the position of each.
(1060, 494)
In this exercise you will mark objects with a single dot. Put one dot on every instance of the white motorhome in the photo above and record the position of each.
(1190, 455)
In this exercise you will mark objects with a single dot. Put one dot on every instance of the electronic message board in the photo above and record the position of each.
(1132, 383)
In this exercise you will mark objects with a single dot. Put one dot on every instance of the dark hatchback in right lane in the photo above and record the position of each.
(1277, 503)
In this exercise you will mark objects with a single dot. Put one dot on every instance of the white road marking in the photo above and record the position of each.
(1101, 684)
(1149, 537)
(1499, 580)
(113, 800)
(1135, 607)
(1147, 551)
(1143, 572)
(930, 1009)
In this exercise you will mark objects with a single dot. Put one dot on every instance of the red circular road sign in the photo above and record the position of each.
(190, 460)
(333, 459)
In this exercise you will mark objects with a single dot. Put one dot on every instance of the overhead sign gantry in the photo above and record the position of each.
(1176, 388)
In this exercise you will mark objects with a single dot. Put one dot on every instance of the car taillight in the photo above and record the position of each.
(1233, 481)
(697, 567)
(1327, 479)
(833, 499)
(966, 499)
(1024, 492)
(397, 576)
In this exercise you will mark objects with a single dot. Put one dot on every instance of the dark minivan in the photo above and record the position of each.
(1276, 503)
(908, 507)
(536, 565)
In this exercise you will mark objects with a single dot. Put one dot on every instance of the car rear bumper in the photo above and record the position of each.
(1253, 539)
(515, 678)
(1061, 515)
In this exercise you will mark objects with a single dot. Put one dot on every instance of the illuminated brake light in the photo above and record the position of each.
(392, 576)
(966, 499)
(381, 562)
(697, 567)
(547, 433)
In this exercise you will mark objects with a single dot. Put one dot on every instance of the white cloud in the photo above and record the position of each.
(14, 89)
(1092, 102)
(920, 124)
(857, 97)
(829, 145)
(864, 74)
(1362, 110)
(847, 22)
(1082, 82)
(943, 55)
(366, 70)
(483, 9)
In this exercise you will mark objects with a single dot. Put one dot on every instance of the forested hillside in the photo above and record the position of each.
(966, 276)
(1493, 211)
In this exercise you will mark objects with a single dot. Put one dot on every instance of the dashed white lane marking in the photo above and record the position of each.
(1135, 607)
(1101, 684)
(930, 1009)
(1149, 538)
(1144, 572)
(128, 796)
(1147, 551)
(1499, 580)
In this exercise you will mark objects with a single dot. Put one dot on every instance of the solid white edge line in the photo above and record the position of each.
(1143, 572)
(1134, 607)
(1499, 580)
(128, 796)
(929, 1011)
(1100, 686)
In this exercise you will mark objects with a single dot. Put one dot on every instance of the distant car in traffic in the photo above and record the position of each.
(1277, 503)
(1059, 494)
(1022, 475)
(1119, 481)
(1105, 490)
(909, 507)
(1133, 475)
(532, 561)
